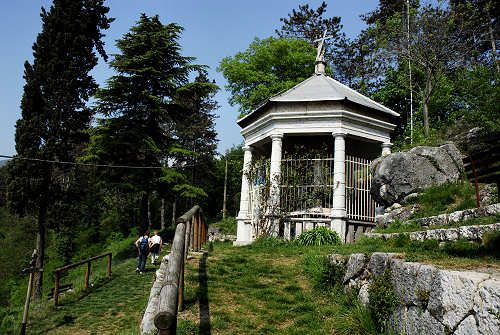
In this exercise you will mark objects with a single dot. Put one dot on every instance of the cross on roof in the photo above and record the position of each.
(320, 55)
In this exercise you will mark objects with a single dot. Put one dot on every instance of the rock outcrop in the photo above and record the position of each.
(431, 300)
(402, 173)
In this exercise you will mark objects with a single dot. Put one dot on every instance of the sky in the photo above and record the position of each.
(212, 30)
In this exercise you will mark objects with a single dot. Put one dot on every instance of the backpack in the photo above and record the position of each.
(144, 244)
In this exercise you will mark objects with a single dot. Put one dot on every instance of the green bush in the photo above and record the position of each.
(227, 226)
(383, 300)
(318, 236)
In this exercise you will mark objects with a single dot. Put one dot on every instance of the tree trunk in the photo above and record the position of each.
(493, 42)
(224, 209)
(40, 246)
(144, 212)
(425, 103)
(174, 205)
(162, 213)
(149, 212)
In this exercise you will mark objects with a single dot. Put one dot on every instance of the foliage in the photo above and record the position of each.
(266, 68)
(309, 24)
(383, 300)
(318, 236)
(227, 226)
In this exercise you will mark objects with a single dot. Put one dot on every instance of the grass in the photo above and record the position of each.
(109, 306)
(445, 198)
(269, 287)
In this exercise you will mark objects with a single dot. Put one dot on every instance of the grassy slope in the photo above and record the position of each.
(111, 306)
(268, 287)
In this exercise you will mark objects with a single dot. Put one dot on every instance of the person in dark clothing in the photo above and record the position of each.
(142, 245)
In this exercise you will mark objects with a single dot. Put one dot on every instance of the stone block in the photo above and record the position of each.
(451, 295)
(355, 266)
(467, 326)
(487, 306)
(378, 263)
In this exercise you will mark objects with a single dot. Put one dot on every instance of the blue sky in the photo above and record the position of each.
(213, 30)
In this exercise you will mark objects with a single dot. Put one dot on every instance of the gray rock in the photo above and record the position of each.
(467, 326)
(355, 266)
(399, 174)
(378, 263)
(413, 320)
(402, 214)
(451, 296)
(487, 307)
(364, 295)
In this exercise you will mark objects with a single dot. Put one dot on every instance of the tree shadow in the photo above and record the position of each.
(205, 327)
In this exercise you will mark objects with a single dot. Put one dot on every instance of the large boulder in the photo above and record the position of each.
(402, 173)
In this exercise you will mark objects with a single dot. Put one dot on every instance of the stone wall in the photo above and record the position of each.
(431, 300)
(470, 233)
(403, 213)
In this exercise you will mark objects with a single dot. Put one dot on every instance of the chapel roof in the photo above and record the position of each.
(320, 87)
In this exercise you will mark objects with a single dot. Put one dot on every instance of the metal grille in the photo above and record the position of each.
(307, 183)
(359, 203)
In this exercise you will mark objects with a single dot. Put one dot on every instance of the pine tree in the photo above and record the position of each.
(140, 108)
(54, 112)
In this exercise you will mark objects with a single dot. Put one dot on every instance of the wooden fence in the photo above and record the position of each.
(191, 231)
(88, 261)
(483, 166)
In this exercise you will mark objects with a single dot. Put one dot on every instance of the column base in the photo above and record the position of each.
(339, 225)
(244, 232)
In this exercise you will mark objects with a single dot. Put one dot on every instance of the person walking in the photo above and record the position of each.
(155, 244)
(142, 245)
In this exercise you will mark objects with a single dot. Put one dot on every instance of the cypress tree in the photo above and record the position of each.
(55, 117)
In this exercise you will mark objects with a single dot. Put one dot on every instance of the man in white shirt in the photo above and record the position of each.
(155, 244)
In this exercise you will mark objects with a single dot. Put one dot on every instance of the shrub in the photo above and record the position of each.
(383, 300)
(318, 236)
(227, 226)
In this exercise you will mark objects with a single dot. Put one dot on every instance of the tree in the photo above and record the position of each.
(486, 15)
(435, 46)
(309, 24)
(266, 68)
(54, 112)
(140, 107)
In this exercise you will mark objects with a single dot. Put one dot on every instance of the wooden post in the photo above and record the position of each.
(181, 288)
(204, 230)
(187, 237)
(166, 323)
(87, 275)
(109, 265)
(31, 269)
(200, 231)
(195, 245)
(56, 288)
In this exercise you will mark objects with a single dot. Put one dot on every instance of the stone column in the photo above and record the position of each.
(386, 148)
(244, 231)
(339, 214)
(275, 169)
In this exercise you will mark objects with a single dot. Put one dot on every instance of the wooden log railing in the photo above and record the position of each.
(58, 271)
(190, 233)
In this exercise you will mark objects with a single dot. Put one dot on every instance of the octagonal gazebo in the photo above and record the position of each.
(356, 130)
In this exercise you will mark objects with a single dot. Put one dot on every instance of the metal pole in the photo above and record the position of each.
(28, 294)
(225, 193)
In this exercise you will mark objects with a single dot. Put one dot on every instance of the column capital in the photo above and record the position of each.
(386, 145)
(247, 148)
(339, 133)
(276, 136)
